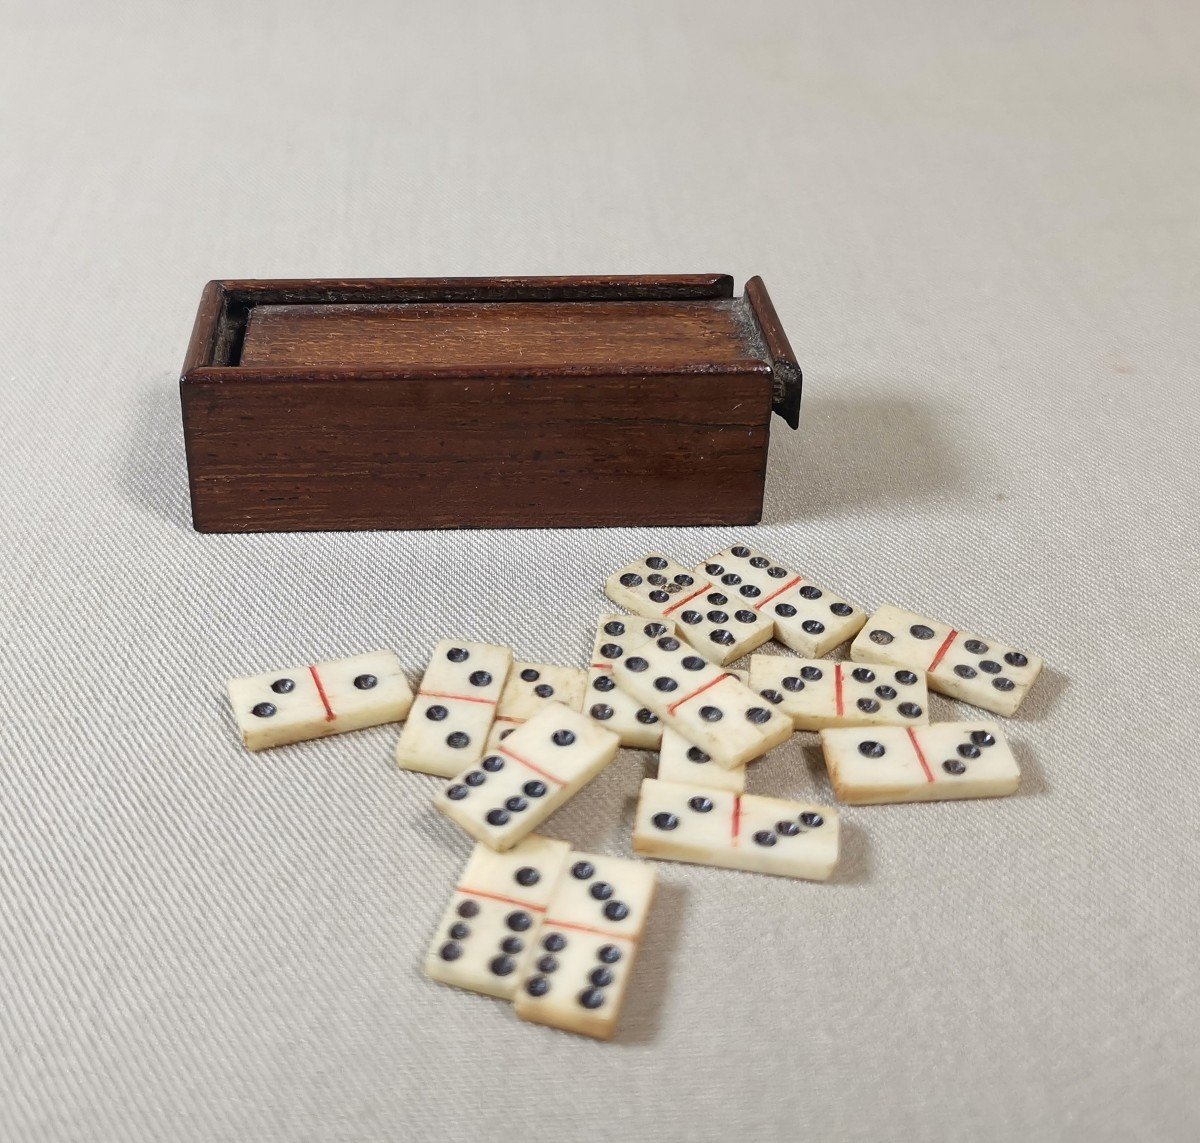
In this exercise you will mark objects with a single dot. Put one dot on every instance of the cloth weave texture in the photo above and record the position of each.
(978, 223)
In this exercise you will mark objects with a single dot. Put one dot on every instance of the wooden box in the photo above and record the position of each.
(482, 402)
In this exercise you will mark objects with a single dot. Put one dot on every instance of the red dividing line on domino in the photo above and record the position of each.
(837, 690)
(531, 766)
(329, 715)
(551, 922)
(687, 598)
(774, 594)
(458, 698)
(912, 737)
(688, 698)
(942, 650)
(501, 897)
(737, 816)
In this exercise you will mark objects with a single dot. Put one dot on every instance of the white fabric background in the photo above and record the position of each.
(978, 222)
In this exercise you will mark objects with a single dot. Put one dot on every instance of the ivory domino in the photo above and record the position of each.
(530, 687)
(454, 708)
(484, 941)
(708, 618)
(979, 671)
(537, 768)
(587, 944)
(709, 706)
(817, 693)
(616, 636)
(300, 703)
(811, 620)
(735, 831)
(919, 764)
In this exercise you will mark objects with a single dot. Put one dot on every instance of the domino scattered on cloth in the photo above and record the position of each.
(556, 932)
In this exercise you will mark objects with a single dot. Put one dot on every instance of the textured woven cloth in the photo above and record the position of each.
(979, 224)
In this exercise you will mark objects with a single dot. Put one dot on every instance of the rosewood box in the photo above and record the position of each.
(482, 402)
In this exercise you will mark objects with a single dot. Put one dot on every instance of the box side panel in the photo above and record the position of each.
(341, 454)
(205, 330)
(789, 379)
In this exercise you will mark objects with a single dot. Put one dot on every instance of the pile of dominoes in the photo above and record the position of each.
(556, 931)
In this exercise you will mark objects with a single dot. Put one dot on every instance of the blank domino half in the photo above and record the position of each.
(299, 703)
(484, 940)
(919, 764)
(710, 707)
(537, 768)
(455, 707)
(530, 687)
(587, 945)
(735, 831)
(715, 623)
(811, 620)
(817, 693)
(982, 672)
(680, 761)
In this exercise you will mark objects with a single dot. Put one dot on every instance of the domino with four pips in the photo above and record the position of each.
(295, 704)
(455, 707)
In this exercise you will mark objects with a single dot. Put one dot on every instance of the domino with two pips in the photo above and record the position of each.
(530, 687)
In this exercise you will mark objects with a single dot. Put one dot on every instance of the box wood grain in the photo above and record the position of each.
(499, 402)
